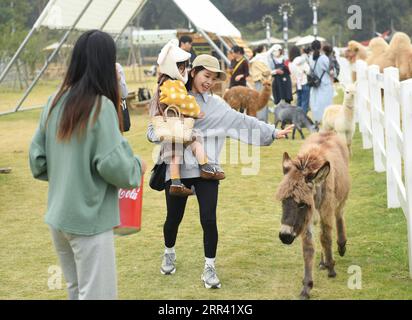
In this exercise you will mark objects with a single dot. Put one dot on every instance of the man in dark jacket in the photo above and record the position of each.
(186, 43)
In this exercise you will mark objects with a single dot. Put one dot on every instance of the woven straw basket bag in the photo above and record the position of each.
(174, 128)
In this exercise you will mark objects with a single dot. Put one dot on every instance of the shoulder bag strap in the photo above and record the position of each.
(238, 65)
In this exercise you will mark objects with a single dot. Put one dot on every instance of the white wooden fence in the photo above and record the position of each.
(387, 128)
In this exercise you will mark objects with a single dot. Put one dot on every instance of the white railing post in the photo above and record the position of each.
(392, 118)
(362, 103)
(378, 136)
(406, 102)
(357, 100)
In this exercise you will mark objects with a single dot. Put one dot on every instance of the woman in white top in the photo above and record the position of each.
(299, 68)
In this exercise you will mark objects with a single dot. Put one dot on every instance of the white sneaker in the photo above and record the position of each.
(168, 264)
(209, 278)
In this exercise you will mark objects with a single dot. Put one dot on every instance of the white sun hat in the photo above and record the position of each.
(169, 56)
(275, 47)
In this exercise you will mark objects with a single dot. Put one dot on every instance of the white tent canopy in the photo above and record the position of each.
(113, 16)
(61, 14)
(273, 40)
(308, 40)
(207, 17)
(294, 39)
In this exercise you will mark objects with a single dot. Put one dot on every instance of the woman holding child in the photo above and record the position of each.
(216, 122)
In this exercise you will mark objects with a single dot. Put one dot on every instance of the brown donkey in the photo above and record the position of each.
(317, 180)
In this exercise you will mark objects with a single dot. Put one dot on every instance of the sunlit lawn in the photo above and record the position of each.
(251, 261)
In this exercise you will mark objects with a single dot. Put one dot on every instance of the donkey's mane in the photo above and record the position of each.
(311, 160)
(294, 184)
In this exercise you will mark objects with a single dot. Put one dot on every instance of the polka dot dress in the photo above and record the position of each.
(174, 92)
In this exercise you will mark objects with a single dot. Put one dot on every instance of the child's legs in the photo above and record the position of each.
(175, 167)
(176, 161)
(199, 152)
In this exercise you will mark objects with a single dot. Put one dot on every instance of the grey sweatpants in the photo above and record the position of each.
(88, 264)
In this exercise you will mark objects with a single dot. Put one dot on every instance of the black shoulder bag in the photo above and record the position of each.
(126, 115)
(313, 80)
(157, 178)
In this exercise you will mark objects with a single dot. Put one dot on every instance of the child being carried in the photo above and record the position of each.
(173, 63)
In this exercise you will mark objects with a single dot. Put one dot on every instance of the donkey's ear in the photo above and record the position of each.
(320, 175)
(287, 163)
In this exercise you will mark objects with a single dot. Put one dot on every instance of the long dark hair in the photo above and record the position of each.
(316, 45)
(258, 49)
(294, 53)
(91, 74)
(327, 49)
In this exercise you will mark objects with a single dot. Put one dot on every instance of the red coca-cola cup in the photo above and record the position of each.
(130, 208)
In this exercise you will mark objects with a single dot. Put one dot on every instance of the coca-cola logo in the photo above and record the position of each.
(129, 194)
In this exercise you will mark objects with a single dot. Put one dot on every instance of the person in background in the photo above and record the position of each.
(239, 67)
(79, 149)
(299, 69)
(282, 84)
(122, 81)
(186, 43)
(121, 78)
(322, 96)
(305, 52)
(259, 70)
(334, 64)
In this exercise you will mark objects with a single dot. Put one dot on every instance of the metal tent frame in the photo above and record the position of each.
(47, 10)
(37, 25)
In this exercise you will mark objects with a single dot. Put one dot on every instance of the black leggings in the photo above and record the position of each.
(206, 193)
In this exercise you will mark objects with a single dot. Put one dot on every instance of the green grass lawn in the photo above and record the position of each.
(251, 261)
(45, 87)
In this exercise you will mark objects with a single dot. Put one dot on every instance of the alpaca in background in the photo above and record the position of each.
(398, 54)
(251, 100)
(340, 118)
(355, 51)
(377, 47)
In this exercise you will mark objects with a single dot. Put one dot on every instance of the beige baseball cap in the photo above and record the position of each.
(210, 63)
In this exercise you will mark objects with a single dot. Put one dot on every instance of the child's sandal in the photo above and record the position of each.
(180, 190)
(215, 175)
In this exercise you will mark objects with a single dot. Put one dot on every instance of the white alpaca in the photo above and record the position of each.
(340, 118)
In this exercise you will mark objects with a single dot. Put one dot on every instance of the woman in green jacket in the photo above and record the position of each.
(79, 149)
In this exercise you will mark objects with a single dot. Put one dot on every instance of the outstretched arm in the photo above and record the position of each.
(280, 134)
(245, 128)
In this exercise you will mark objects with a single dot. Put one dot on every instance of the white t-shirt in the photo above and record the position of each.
(299, 69)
